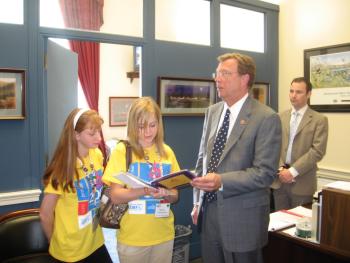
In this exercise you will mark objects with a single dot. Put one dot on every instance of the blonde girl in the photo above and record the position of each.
(147, 229)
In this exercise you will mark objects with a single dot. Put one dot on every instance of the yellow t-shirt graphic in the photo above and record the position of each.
(143, 228)
(74, 237)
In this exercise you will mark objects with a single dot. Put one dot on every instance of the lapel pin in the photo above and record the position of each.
(243, 122)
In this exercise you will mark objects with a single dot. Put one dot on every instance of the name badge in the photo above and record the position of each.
(84, 220)
(137, 207)
(162, 210)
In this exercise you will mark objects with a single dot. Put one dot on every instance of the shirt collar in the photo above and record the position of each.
(300, 111)
(237, 106)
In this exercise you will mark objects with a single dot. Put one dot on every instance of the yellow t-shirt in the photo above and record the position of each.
(143, 229)
(73, 237)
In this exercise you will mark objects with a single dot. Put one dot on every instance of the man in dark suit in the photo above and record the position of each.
(237, 162)
(304, 143)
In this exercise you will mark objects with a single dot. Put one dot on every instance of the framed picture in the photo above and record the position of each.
(12, 94)
(118, 110)
(328, 69)
(185, 96)
(261, 92)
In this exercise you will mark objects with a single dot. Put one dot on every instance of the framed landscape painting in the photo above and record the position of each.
(12, 94)
(185, 96)
(328, 70)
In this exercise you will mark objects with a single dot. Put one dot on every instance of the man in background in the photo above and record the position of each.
(237, 162)
(304, 143)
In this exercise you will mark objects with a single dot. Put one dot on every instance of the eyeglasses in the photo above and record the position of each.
(223, 74)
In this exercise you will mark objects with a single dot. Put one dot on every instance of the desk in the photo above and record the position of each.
(288, 249)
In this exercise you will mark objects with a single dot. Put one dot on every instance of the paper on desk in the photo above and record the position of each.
(286, 218)
(302, 211)
(281, 219)
(342, 185)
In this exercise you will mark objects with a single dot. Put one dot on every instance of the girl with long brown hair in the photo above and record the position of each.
(72, 191)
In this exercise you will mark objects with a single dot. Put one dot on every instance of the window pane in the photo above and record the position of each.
(177, 21)
(242, 29)
(119, 16)
(11, 11)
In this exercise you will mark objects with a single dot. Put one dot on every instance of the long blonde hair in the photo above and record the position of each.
(141, 111)
(62, 168)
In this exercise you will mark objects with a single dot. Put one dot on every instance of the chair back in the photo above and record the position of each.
(21, 235)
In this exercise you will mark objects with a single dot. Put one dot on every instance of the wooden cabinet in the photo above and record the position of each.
(335, 221)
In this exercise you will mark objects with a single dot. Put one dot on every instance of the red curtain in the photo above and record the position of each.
(87, 15)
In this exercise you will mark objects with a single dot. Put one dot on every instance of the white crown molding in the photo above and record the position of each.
(19, 197)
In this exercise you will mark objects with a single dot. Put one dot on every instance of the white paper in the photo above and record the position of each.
(342, 185)
(285, 218)
(281, 219)
(131, 180)
(302, 211)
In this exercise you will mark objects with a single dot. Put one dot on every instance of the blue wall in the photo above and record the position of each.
(22, 142)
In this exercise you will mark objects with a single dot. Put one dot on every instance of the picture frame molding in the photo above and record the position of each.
(19, 110)
(163, 83)
(327, 99)
(265, 96)
(121, 120)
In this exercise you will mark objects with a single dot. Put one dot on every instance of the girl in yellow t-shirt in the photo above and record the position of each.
(146, 233)
(73, 184)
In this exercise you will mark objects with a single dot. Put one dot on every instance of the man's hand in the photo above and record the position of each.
(285, 176)
(208, 183)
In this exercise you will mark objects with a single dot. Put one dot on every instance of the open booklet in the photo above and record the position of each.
(169, 181)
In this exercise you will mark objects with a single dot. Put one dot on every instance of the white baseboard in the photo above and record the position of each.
(19, 197)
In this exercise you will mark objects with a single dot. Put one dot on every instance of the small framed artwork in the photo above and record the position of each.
(328, 70)
(185, 96)
(261, 92)
(12, 94)
(118, 110)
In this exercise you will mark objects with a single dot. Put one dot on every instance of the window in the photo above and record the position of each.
(118, 16)
(11, 11)
(183, 21)
(242, 29)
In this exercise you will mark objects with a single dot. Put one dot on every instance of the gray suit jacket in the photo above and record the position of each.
(309, 147)
(247, 167)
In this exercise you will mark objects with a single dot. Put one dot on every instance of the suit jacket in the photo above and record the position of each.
(309, 147)
(247, 168)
